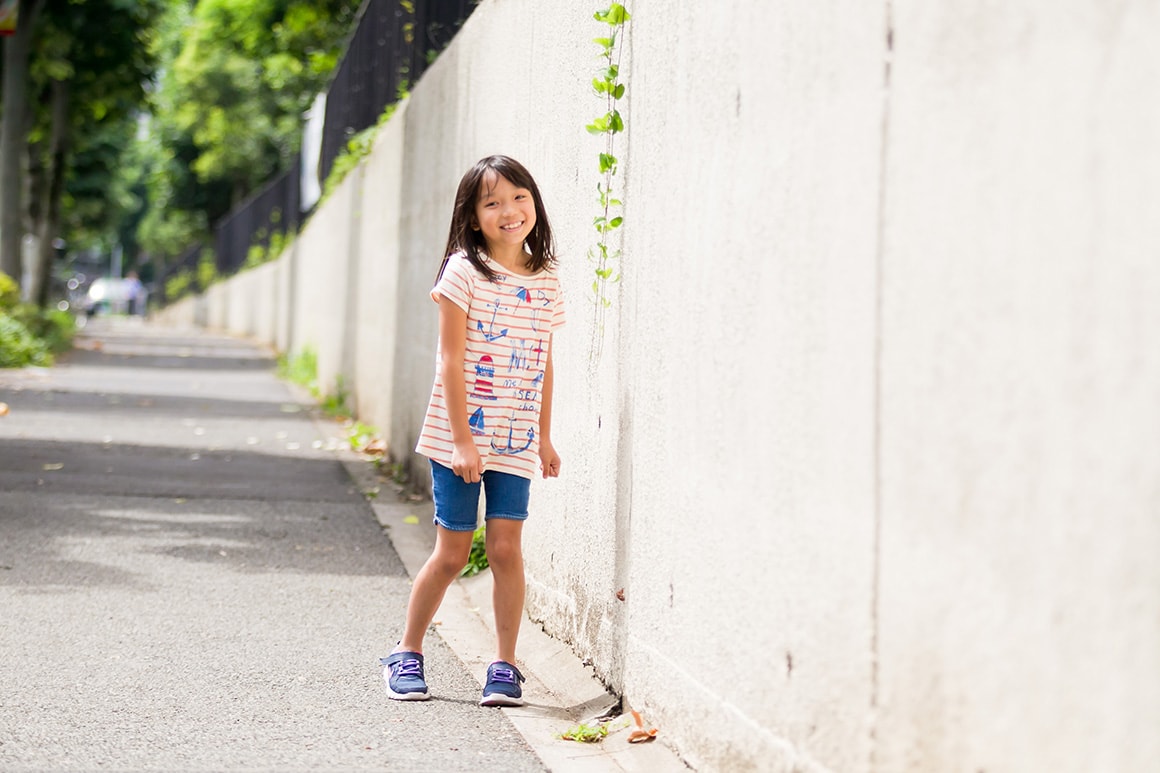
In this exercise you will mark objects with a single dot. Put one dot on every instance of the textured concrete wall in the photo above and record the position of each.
(1020, 451)
(872, 447)
(321, 294)
(747, 359)
(375, 293)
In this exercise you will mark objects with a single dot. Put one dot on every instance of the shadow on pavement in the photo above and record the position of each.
(145, 406)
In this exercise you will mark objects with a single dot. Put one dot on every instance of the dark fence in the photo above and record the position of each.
(270, 214)
(185, 262)
(392, 46)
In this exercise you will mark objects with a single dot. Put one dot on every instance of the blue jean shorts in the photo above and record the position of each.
(457, 502)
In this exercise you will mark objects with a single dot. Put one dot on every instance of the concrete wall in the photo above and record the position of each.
(871, 447)
(1020, 367)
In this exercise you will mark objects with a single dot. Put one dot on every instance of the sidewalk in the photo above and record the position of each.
(191, 579)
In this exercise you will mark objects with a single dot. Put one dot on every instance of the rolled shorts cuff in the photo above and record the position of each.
(507, 516)
(452, 526)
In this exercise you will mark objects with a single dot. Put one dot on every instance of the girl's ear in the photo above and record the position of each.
(474, 226)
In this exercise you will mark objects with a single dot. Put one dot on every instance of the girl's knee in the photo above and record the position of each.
(449, 559)
(504, 552)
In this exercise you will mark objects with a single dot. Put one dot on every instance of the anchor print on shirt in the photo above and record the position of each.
(490, 333)
(484, 373)
(510, 449)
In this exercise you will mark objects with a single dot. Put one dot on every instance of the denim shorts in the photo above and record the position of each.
(457, 502)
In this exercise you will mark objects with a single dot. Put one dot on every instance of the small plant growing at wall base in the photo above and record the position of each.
(609, 86)
(477, 559)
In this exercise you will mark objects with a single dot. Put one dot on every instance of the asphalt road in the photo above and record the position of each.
(189, 579)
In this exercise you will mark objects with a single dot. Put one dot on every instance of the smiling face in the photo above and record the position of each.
(506, 215)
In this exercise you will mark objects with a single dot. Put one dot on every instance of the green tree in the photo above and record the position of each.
(74, 74)
(89, 66)
(227, 112)
(13, 125)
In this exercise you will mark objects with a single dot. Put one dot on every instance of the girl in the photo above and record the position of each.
(490, 415)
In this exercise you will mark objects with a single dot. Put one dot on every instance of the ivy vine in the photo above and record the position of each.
(608, 85)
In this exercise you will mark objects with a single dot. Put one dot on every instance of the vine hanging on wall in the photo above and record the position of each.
(609, 86)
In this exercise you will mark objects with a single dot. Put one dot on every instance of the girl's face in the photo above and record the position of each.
(504, 213)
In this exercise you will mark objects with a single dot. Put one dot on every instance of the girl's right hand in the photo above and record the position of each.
(467, 463)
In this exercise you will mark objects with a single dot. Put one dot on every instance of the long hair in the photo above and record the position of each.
(463, 238)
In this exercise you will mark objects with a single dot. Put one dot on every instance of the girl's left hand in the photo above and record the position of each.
(549, 460)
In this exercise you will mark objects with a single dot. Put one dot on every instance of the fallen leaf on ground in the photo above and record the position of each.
(640, 734)
(3, 409)
(56, 466)
(585, 733)
(411, 519)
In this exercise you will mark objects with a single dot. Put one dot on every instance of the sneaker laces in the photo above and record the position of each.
(503, 675)
(409, 667)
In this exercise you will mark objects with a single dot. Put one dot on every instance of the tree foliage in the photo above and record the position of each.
(174, 111)
(227, 113)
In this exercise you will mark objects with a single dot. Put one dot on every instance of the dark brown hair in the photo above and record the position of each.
(463, 238)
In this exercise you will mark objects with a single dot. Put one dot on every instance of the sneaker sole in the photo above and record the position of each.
(501, 700)
(407, 696)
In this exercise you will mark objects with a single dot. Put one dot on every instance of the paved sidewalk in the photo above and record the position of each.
(192, 579)
(189, 579)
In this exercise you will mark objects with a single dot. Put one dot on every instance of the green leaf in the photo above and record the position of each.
(619, 91)
(615, 122)
(612, 73)
(605, 42)
(616, 14)
(615, 222)
(607, 162)
(599, 126)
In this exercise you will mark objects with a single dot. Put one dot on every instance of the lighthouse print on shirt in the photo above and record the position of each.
(509, 324)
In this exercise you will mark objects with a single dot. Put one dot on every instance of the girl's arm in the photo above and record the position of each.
(549, 459)
(465, 459)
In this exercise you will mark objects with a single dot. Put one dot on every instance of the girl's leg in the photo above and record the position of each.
(506, 557)
(452, 549)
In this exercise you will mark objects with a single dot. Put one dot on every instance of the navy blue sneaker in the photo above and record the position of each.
(403, 673)
(503, 685)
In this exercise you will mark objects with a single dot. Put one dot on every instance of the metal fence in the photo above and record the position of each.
(183, 263)
(394, 43)
(270, 215)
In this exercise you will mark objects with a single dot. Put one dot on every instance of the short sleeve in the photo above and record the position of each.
(558, 317)
(457, 282)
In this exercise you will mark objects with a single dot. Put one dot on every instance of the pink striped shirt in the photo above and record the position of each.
(509, 325)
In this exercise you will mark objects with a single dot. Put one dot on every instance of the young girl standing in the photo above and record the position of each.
(489, 420)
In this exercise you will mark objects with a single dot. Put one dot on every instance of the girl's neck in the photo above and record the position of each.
(513, 259)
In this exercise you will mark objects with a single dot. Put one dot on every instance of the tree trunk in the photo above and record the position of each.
(12, 137)
(50, 210)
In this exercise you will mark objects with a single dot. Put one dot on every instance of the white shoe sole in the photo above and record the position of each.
(501, 700)
(407, 696)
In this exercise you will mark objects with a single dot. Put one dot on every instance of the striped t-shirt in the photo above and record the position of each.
(509, 324)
